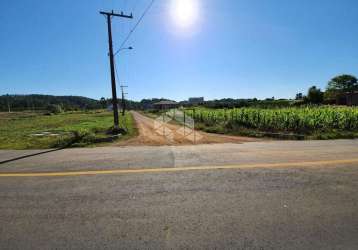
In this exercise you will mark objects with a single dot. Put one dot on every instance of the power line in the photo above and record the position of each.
(123, 100)
(115, 69)
(135, 26)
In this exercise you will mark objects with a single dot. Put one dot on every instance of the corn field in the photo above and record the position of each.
(303, 119)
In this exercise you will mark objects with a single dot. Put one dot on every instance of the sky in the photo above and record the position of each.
(215, 49)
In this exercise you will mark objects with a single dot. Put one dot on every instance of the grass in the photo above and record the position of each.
(77, 129)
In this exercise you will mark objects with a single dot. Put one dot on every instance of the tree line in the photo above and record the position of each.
(46, 102)
(57, 104)
(336, 88)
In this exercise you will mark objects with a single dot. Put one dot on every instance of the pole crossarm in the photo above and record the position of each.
(112, 13)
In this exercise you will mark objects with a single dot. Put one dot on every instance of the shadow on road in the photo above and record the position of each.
(69, 144)
(30, 155)
(74, 140)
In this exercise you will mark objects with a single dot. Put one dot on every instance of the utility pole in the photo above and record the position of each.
(8, 106)
(8, 103)
(123, 99)
(109, 16)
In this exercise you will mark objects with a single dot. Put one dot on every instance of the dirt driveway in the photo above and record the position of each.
(153, 132)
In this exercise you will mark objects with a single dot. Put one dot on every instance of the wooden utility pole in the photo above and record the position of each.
(8, 105)
(109, 16)
(123, 99)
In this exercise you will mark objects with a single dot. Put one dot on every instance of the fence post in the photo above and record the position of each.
(163, 125)
(184, 122)
(194, 126)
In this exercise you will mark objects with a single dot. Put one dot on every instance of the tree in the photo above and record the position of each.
(340, 85)
(314, 95)
(299, 96)
(343, 83)
(103, 102)
(54, 108)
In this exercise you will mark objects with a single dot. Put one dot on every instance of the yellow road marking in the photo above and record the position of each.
(180, 169)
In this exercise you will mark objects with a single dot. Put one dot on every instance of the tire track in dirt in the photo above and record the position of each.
(152, 132)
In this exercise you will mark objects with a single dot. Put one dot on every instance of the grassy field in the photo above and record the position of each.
(302, 122)
(38, 131)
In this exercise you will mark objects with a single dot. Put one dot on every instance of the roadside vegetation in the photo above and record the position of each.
(311, 116)
(311, 122)
(36, 130)
(304, 122)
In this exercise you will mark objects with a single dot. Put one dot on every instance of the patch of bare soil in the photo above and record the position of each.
(155, 132)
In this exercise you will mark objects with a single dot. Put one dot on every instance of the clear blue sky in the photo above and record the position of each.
(236, 48)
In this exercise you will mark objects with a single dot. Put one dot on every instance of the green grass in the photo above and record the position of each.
(17, 130)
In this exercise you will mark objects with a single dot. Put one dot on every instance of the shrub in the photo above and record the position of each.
(54, 109)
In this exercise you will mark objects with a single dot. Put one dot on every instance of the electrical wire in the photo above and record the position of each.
(120, 82)
(135, 26)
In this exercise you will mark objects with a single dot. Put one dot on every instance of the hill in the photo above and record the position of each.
(41, 102)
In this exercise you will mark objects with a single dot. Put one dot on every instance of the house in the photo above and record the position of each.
(163, 105)
(349, 99)
(196, 100)
(147, 106)
(352, 99)
(110, 107)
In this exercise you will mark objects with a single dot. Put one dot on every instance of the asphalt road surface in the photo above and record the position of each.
(257, 195)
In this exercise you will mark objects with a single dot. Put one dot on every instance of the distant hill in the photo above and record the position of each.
(41, 102)
(69, 103)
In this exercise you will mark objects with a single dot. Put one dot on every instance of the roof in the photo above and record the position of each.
(166, 103)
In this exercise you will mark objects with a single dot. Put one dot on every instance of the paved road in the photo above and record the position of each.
(273, 195)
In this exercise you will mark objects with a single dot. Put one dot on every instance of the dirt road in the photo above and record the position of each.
(153, 132)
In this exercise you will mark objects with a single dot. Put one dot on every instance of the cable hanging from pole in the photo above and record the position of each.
(135, 26)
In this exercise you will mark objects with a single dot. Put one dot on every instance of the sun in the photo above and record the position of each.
(184, 13)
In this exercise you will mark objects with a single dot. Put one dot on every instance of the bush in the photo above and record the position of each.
(54, 109)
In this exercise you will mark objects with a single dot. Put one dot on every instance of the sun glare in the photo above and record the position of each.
(184, 12)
